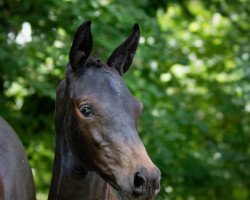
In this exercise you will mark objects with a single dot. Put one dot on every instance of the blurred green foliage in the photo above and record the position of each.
(191, 72)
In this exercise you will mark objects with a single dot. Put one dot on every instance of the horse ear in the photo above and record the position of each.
(81, 47)
(123, 55)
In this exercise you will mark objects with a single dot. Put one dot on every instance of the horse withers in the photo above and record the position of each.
(16, 181)
(97, 144)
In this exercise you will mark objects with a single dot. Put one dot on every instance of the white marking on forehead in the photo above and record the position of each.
(116, 85)
(115, 82)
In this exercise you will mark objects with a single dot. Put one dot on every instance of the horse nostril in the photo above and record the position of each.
(139, 182)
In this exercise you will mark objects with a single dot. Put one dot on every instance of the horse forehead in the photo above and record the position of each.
(102, 82)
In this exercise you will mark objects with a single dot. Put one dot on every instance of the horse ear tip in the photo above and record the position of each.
(87, 22)
(84, 26)
(136, 27)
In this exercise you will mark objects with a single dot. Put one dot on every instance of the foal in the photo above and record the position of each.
(97, 144)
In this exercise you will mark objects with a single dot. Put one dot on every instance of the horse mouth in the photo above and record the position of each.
(122, 194)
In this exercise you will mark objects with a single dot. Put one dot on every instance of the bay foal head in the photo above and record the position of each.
(102, 118)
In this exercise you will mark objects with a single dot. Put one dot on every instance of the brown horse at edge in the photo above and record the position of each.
(16, 181)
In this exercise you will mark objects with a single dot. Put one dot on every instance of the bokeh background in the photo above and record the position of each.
(191, 72)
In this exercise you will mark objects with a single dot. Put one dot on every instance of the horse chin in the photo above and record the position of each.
(123, 194)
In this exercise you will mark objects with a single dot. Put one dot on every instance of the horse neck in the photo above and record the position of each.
(68, 182)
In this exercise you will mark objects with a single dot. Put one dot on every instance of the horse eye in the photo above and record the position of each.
(86, 111)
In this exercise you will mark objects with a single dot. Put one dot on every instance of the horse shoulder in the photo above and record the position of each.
(16, 181)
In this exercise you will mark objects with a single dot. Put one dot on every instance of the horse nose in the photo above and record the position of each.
(146, 182)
